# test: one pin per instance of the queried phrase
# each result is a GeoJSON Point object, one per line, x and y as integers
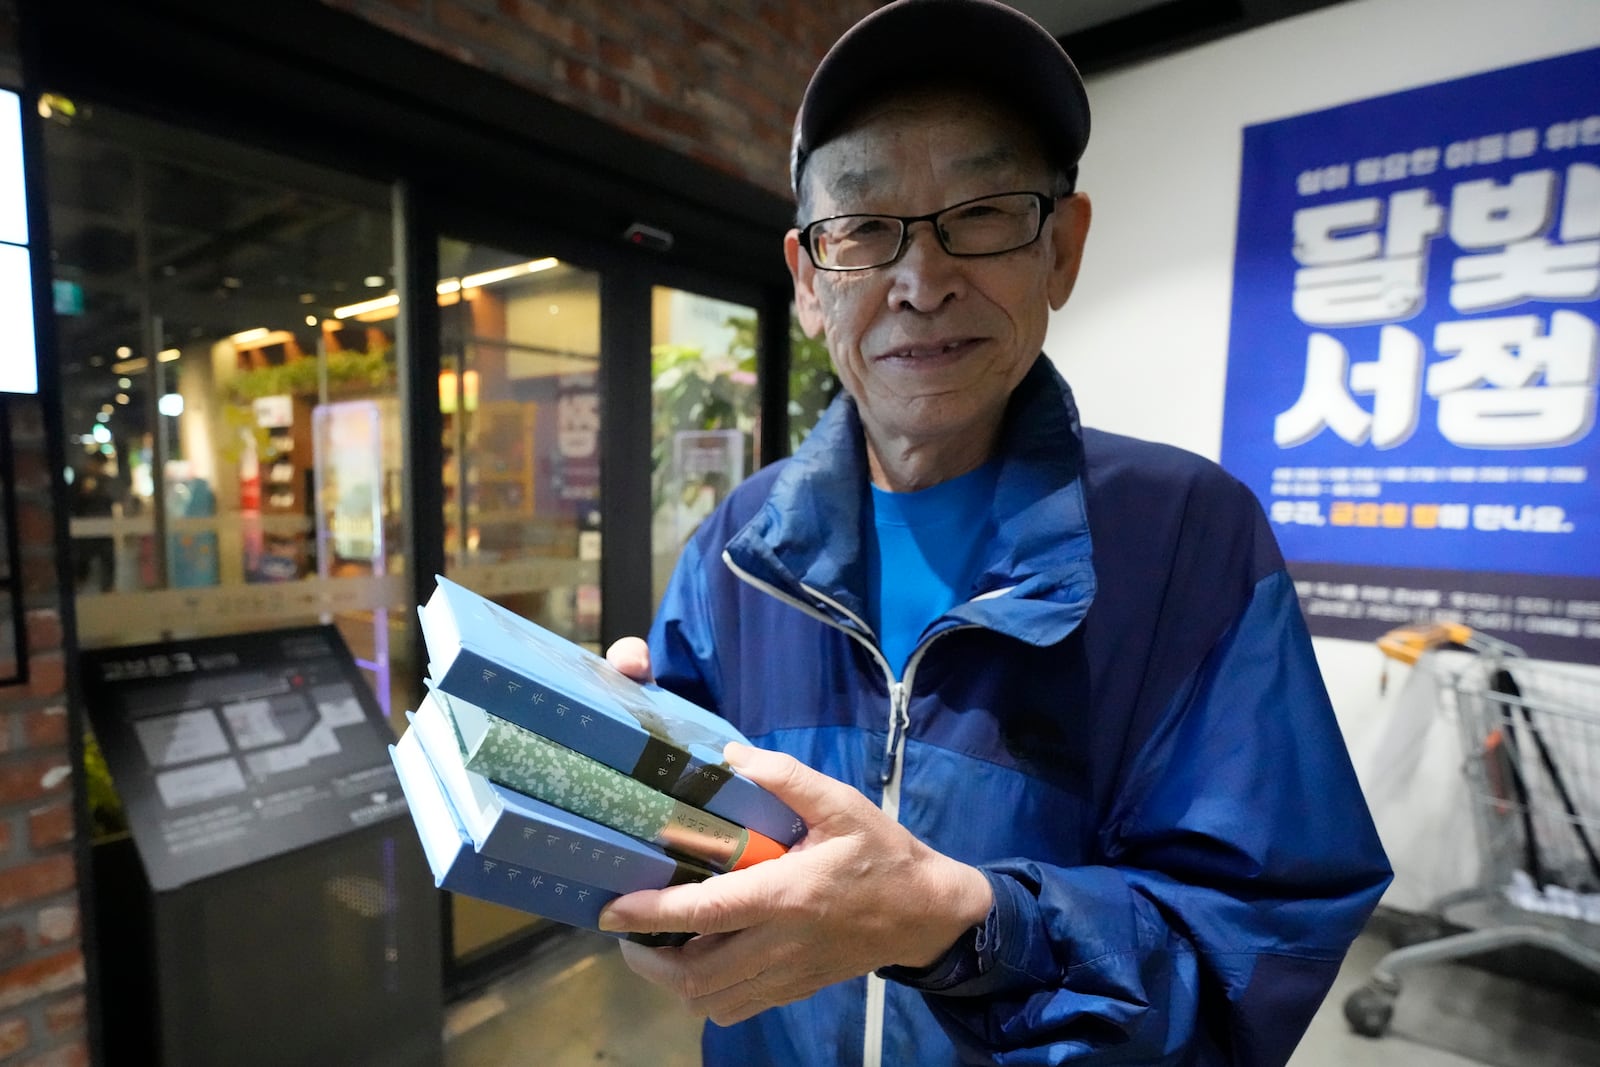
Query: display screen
{"type": "Point", "coordinates": [19, 368]}
{"type": "Point", "coordinates": [229, 750]}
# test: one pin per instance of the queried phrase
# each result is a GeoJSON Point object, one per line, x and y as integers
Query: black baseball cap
{"type": "Point", "coordinates": [976, 42]}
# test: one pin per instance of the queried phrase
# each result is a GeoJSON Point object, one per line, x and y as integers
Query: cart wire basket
{"type": "Point", "coordinates": [1530, 744]}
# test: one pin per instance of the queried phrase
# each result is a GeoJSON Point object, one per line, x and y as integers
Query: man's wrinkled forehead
{"type": "Point", "coordinates": [848, 183]}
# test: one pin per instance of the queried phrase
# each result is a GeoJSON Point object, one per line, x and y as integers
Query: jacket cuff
{"type": "Point", "coordinates": [960, 963]}
{"type": "Point", "coordinates": [976, 965]}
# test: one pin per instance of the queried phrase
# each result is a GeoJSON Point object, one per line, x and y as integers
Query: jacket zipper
{"type": "Point", "coordinates": [893, 749]}
{"type": "Point", "coordinates": [899, 720]}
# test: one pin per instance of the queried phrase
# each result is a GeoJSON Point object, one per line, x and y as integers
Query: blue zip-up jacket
{"type": "Point", "coordinates": [1123, 727]}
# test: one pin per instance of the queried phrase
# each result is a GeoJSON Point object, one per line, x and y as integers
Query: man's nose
{"type": "Point", "coordinates": [926, 277]}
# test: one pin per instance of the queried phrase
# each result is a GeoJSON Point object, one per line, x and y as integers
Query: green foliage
{"type": "Point", "coordinates": [693, 391]}
{"type": "Point", "coordinates": [106, 815]}
{"type": "Point", "coordinates": [696, 391]}
{"type": "Point", "coordinates": [364, 371]}
{"type": "Point", "coordinates": [812, 383]}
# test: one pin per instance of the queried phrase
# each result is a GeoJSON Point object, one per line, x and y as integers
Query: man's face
{"type": "Point", "coordinates": [932, 345]}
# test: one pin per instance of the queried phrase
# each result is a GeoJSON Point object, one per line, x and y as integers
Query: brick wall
{"type": "Point", "coordinates": [717, 80]}
{"type": "Point", "coordinates": [42, 1006]}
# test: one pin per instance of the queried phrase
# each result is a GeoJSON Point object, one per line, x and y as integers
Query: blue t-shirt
{"type": "Point", "coordinates": [923, 556]}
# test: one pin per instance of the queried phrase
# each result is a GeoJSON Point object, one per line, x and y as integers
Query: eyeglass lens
{"type": "Point", "coordinates": [983, 227]}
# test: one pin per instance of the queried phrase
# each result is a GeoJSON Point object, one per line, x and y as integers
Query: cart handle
{"type": "Point", "coordinates": [1408, 643]}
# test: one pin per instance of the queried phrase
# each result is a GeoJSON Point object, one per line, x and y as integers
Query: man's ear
{"type": "Point", "coordinates": [804, 273]}
{"type": "Point", "coordinates": [1069, 228]}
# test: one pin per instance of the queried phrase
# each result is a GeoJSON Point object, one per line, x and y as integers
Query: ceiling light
{"type": "Point", "coordinates": [372, 281]}
{"type": "Point", "coordinates": [452, 285]}
{"type": "Point", "coordinates": [352, 310]}
{"type": "Point", "coordinates": [167, 355]}
{"type": "Point", "coordinates": [244, 337]}
{"type": "Point", "coordinates": [489, 277]}
{"type": "Point", "coordinates": [122, 398]}
{"type": "Point", "coordinates": [311, 320]}
{"type": "Point", "coordinates": [130, 366]}
{"type": "Point", "coordinates": [124, 383]}
{"type": "Point", "coordinates": [100, 433]}
{"type": "Point", "coordinates": [171, 404]}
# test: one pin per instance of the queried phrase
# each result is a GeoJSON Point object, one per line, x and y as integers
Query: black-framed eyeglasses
{"type": "Point", "coordinates": [986, 226]}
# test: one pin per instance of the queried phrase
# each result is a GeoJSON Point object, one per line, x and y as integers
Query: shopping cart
{"type": "Point", "coordinates": [1530, 741]}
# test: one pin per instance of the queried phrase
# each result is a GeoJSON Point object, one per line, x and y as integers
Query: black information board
{"type": "Point", "coordinates": [229, 750]}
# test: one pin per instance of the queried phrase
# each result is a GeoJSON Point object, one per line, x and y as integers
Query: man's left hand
{"type": "Point", "coordinates": [859, 892]}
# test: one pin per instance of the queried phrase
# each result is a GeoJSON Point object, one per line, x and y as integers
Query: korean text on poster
{"type": "Point", "coordinates": [1412, 363]}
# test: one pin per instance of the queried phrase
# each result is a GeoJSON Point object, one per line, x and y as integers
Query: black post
{"type": "Point", "coordinates": [773, 362]}
{"type": "Point", "coordinates": [625, 561]}
{"type": "Point", "coordinates": [416, 249]}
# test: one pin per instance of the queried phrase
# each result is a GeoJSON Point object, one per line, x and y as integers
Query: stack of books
{"type": "Point", "coordinates": [542, 778]}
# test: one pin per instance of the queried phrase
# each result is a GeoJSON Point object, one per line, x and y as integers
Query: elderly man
{"type": "Point", "coordinates": [1073, 788]}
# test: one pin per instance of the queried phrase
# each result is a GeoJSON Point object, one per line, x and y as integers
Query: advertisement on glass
{"type": "Point", "coordinates": [19, 368]}
{"type": "Point", "coordinates": [1412, 355]}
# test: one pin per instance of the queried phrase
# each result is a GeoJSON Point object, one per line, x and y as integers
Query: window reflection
{"type": "Point", "coordinates": [519, 395]}
{"type": "Point", "coordinates": [705, 406]}
{"type": "Point", "coordinates": [232, 437]}
{"type": "Point", "coordinates": [520, 407]}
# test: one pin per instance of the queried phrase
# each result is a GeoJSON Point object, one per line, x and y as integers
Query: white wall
{"type": "Point", "coordinates": [1144, 339]}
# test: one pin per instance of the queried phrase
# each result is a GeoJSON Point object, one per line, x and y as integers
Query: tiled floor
{"type": "Point", "coordinates": [1451, 1015]}
{"type": "Point", "coordinates": [578, 1005]}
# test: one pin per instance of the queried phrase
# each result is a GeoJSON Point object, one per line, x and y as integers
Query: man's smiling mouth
{"type": "Point", "coordinates": [914, 353]}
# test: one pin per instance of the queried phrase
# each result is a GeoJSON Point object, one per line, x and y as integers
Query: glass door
{"type": "Point", "coordinates": [705, 415]}
{"type": "Point", "coordinates": [519, 398]}
{"type": "Point", "coordinates": [706, 394]}
{"type": "Point", "coordinates": [230, 389]}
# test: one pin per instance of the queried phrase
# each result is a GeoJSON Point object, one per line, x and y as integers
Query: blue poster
{"type": "Point", "coordinates": [1412, 364]}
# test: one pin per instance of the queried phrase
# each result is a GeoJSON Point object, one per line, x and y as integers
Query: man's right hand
{"type": "Point", "coordinates": [631, 656]}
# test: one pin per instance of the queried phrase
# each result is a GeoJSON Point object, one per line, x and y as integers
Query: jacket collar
{"type": "Point", "coordinates": [1038, 578]}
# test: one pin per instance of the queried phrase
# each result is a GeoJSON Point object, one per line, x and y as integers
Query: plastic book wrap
{"type": "Point", "coordinates": [456, 866]}
{"type": "Point", "coordinates": [516, 670]}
